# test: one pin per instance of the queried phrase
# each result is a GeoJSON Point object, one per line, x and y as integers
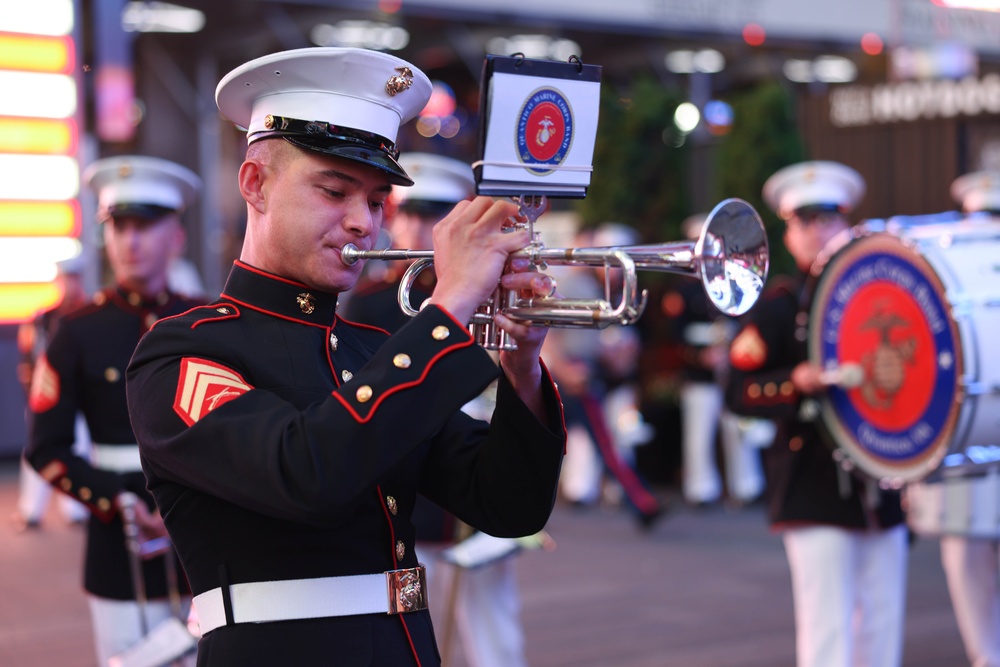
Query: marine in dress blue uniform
{"type": "Point", "coordinates": [287, 446]}
{"type": "Point", "coordinates": [845, 539]}
{"type": "Point", "coordinates": [83, 370]}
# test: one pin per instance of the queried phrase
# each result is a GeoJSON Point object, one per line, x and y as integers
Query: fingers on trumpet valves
{"type": "Point", "coordinates": [545, 286]}
{"type": "Point", "coordinates": [553, 286]}
{"type": "Point", "coordinates": [529, 284]}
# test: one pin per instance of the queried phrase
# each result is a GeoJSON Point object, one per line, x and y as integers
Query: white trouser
{"type": "Point", "coordinates": [34, 492]}
{"type": "Point", "coordinates": [117, 624]}
{"type": "Point", "coordinates": [744, 472]}
{"type": "Point", "coordinates": [484, 605]}
{"type": "Point", "coordinates": [701, 406]}
{"type": "Point", "coordinates": [849, 592]}
{"type": "Point", "coordinates": [582, 469]}
{"type": "Point", "coordinates": [972, 567]}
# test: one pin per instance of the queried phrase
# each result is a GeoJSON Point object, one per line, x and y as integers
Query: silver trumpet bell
{"type": "Point", "coordinates": [730, 257]}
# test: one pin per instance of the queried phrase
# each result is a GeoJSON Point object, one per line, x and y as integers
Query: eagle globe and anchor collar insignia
{"type": "Point", "coordinates": [544, 130]}
{"type": "Point", "coordinates": [880, 305]}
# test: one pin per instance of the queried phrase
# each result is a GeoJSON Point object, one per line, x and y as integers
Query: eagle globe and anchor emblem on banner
{"type": "Point", "coordinates": [544, 131]}
{"type": "Point", "coordinates": [879, 305]}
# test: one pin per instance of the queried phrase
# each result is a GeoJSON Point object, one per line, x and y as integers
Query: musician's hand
{"type": "Point", "coordinates": [528, 284]}
{"type": "Point", "coordinates": [470, 253]}
{"type": "Point", "coordinates": [149, 521]}
{"type": "Point", "coordinates": [807, 378]}
{"type": "Point", "coordinates": [523, 366]}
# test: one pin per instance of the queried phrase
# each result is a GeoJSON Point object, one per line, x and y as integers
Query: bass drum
{"type": "Point", "coordinates": [914, 308]}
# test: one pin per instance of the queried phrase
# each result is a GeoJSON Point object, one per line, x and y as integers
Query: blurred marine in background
{"type": "Point", "coordinates": [83, 370]}
{"type": "Point", "coordinates": [845, 539]}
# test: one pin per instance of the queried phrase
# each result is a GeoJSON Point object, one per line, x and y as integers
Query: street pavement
{"type": "Point", "coordinates": [702, 588]}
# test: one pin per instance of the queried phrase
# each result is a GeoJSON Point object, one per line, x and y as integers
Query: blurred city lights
{"type": "Point", "coordinates": [38, 135]}
{"type": "Point", "coordinates": [38, 95]}
{"type": "Point", "coordinates": [542, 47]}
{"type": "Point", "coordinates": [33, 260]}
{"type": "Point", "coordinates": [834, 69]}
{"type": "Point", "coordinates": [39, 17]}
{"type": "Point", "coordinates": [42, 177]}
{"type": "Point", "coordinates": [39, 218]}
{"type": "Point", "coordinates": [718, 116]}
{"type": "Point", "coordinates": [39, 139]}
{"type": "Point", "coordinates": [686, 117]}
{"type": "Point", "coordinates": [442, 101]}
{"type": "Point", "coordinates": [34, 53]}
{"type": "Point", "coordinates": [145, 16]}
{"type": "Point", "coordinates": [872, 44]}
{"type": "Point", "coordinates": [753, 34]}
{"type": "Point", "coordinates": [946, 60]}
{"type": "Point", "coordinates": [708, 61]}
{"type": "Point", "coordinates": [980, 5]}
{"type": "Point", "coordinates": [22, 301]}
{"type": "Point", "coordinates": [362, 34]}
{"type": "Point", "coordinates": [439, 116]}
{"type": "Point", "coordinates": [823, 69]}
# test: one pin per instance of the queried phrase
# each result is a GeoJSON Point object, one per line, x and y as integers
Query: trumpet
{"type": "Point", "coordinates": [730, 257]}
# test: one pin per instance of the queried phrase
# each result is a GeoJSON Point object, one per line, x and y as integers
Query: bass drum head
{"type": "Point", "coordinates": [879, 305]}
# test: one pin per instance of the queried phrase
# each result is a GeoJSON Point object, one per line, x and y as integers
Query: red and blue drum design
{"type": "Point", "coordinates": [544, 131]}
{"type": "Point", "coordinates": [880, 305]}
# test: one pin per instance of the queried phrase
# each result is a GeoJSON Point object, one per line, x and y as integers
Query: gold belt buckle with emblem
{"type": "Point", "coordinates": [407, 590]}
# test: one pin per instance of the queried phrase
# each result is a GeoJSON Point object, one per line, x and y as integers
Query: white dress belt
{"type": "Point", "coordinates": [116, 458]}
{"type": "Point", "coordinates": [393, 592]}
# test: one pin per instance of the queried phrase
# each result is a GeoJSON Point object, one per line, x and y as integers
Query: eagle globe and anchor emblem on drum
{"type": "Point", "coordinates": [544, 131]}
{"type": "Point", "coordinates": [880, 306]}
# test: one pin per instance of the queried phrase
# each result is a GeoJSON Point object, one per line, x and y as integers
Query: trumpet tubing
{"type": "Point", "coordinates": [730, 257]}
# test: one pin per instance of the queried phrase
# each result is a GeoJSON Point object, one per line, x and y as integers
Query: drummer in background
{"type": "Point", "coordinates": [972, 565]}
{"type": "Point", "coordinates": [845, 540]}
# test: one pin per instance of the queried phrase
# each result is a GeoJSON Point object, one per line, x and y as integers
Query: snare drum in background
{"type": "Point", "coordinates": [918, 310]}
{"type": "Point", "coordinates": [956, 504]}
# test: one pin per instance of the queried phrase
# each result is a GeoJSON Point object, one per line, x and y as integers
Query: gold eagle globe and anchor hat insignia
{"type": "Point", "coordinates": [345, 102]}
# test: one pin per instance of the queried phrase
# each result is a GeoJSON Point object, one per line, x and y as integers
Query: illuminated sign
{"type": "Point", "coordinates": [39, 138]}
{"type": "Point", "coordinates": [852, 106]}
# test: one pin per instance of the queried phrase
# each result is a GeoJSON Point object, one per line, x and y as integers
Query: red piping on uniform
{"type": "Point", "coordinates": [329, 358]}
{"type": "Point", "coordinates": [273, 314]}
{"type": "Point", "coordinates": [395, 565]}
{"type": "Point", "coordinates": [413, 648]}
{"type": "Point", "coordinates": [450, 316]}
{"type": "Point", "coordinates": [555, 390]}
{"type": "Point", "coordinates": [641, 498]}
{"type": "Point", "coordinates": [392, 530]}
{"type": "Point", "coordinates": [207, 319]}
{"type": "Point", "coordinates": [399, 387]}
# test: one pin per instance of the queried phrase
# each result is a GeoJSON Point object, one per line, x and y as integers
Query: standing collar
{"type": "Point", "coordinates": [280, 297]}
{"type": "Point", "coordinates": [132, 300]}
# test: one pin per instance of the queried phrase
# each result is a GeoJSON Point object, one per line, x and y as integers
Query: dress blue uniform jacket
{"type": "Point", "coordinates": [83, 370]}
{"type": "Point", "coordinates": [804, 485]}
{"type": "Point", "coordinates": [283, 442]}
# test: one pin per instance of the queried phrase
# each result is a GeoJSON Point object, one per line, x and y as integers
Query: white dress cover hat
{"type": "Point", "coordinates": [345, 102]}
{"type": "Point", "coordinates": [819, 185]}
{"type": "Point", "coordinates": [436, 179]}
{"type": "Point", "coordinates": [978, 191]}
{"type": "Point", "coordinates": [140, 186]}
